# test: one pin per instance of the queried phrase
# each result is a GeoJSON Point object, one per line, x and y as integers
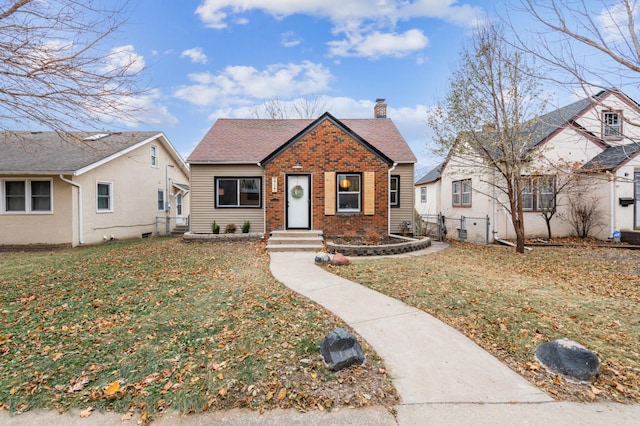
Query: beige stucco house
{"type": "Point", "coordinates": [593, 137]}
{"type": "Point", "coordinates": [64, 190]}
{"type": "Point", "coordinates": [338, 176]}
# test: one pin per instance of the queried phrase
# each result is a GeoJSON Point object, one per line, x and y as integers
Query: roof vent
{"type": "Point", "coordinates": [96, 137]}
{"type": "Point", "coordinates": [380, 109]}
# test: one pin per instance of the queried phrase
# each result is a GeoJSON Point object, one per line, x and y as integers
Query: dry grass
{"type": "Point", "coordinates": [510, 303]}
{"type": "Point", "coordinates": [143, 326]}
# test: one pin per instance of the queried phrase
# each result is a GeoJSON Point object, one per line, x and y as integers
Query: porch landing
{"type": "Point", "coordinates": [295, 241]}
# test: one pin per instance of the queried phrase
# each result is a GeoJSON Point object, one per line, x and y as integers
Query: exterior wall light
{"type": "Point", "coordinates": [297, 165]}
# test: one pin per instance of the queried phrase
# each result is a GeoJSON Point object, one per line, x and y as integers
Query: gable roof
{"type": "Point", "coordinates": [433, 175]}
{"type": "Point", "coordinates": [70, 153]}
{"type": "Point", "coordinates": [324, 117]}
{"type": "Point", "coordinates": [612, 157]}
{"type": "Point", "coordinates": [252, 140]}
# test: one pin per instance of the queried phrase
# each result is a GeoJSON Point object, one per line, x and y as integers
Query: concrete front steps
{"type": "Point", "coordinates": [295, 241]}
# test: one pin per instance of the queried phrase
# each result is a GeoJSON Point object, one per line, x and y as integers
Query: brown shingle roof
{"type": "Point", "coordinates": [252, 140]}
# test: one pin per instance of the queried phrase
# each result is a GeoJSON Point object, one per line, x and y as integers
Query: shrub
{"type": "Point", "coordinates": [230, 229]}
{"type": "Point", "coordinates": [246, 226]}
{"type": "Point", "coordinates": [215, 228]}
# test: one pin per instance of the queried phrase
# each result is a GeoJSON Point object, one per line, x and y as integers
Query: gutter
{"type": "Point", "coordinates": [77, 185]}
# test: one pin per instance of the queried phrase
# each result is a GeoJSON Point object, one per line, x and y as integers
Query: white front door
{"type": "Point", "coordinates": [298, 202]}
{"type": "Point", "coordinates": [179, 209]}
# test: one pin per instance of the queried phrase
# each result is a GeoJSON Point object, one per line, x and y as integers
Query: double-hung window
{"type": "Point", "coordinates": [160, 198]}
{"type": "Point", "coordinates": [461, 193]}
{"type": "Point", "coordinates": [349, 192]}
{"type": "Point", "coordinates": [154, 156]}
{"type": "Point", "coordinates": [423, 194]}
{"type": "Point", "coordinates": [28, 196]}
{"type": "Point", "coordinates": [394, 191]}
{"type": "Point", "coordinates": [104, 199]}
{"type": "Point", "coordinates": [238, 192]}
{"type": "Point", "coordinates": [611, 125]}
{"type": "Point", "coordinates": [538, 193]}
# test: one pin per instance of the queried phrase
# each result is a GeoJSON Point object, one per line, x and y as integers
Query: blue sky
{"type": "Point", "coordinates": [206, 59]}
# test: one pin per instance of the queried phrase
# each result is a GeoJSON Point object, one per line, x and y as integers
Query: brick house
{"type": "Point", "coordinates": [344, 177]}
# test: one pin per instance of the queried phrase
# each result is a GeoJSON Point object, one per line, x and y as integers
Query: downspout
{"type": "Point", "coordinates": [612, 218]}
{"type": "Point", "coordinates": [495, 207]}
{"type": "Point", "coordinates": [77, 185]}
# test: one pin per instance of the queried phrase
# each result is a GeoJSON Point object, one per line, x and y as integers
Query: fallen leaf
{"type": "Point", "coordinates": [127, 416]}
{"type": "Point", "coordinates": [282, 394]}
{"type": "Point", "coordinates": [112, 389]}
{"type": "Point", "coordinates": [86, 412]}
{"type": "Point", "coordinates": [222, 392]}
{"type": "Point", "coordinates": [595, 390]}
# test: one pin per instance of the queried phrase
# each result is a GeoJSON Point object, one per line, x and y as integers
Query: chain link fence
{"type": "Point", "coordinates": [471, 229]}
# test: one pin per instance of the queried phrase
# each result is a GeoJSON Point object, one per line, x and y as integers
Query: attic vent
{"type": "Point", "coordinates": [96, 136]}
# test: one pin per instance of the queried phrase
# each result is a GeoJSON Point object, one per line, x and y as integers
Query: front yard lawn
{"type": "Point", "coordinates": [509, 303]}
{"type": "Point", "coordinates": [144, 326]}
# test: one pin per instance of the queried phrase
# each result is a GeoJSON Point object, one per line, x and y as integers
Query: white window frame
{"type": "Point", "coordinates": [110, 185]}
{"type": "Point", "coordinates": [340, 191]}
{"type": "Point", "coordinates": [461, 193]}
{"type": "Point", "coordinates": [154, 156]}
{"type": "Point", "coordinates": [531, 191]}
{"type": "Point", "coordinates": [611, 124]}
{"type": "Point", "coordinates": [28, 196]}
{"type": "Point", "coordinates": [423, 194]}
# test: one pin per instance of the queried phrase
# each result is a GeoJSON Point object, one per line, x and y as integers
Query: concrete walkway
{"type": "Point", "coordinates": [443, 378]}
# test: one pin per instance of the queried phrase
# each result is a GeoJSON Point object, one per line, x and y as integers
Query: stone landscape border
{"type": "Point", "coordinates": [379, 250]}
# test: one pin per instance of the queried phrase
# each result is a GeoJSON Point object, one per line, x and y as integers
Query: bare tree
{"type": "Point", "coordinates": [302, 107]}
{"type": "Point", "coordinates": [481, 121]}
{"type": "Point", "coordinates": [56, 69]}
{"type": "Point", "coordinates": [594, 43]}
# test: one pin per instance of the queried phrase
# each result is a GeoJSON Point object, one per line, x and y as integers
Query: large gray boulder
{"type": "Point", "coordinates": [322, 258]}
{"type": "Point", "coordinates": [569, 358]}
{"type": "Point", "coordinates": [340, 349]}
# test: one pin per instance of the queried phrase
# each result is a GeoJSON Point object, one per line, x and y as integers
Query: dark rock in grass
{"type": "Point", "coordinates": [322, 258]}
{"type": "Point", "coordinates": [339, 259]}
{"type": "Point", "coordinates": [569, 358]}
{"type": "Point", "coordinates": [340, 349]}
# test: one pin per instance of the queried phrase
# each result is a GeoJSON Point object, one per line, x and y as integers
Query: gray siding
{"type": "Point", "coordinates": [203, 210]}
{"type": "Point", "coordinates": [405, 211]}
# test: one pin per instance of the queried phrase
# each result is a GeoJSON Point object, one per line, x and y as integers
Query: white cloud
{"type": "Point", "coordinates": [144, 110]}
{"type": "Point", "coordinates": [613, 21]}
{"type": "Point", "coordinates": [195, 54]}
{"type": "Point", "coordinates": [376, 44]}
{"type": "Point", "coordinates": [124, 57]}
{"type": "Point", "coordinates": [290, 39]}
{"type": "Point", "coordinates": [215, 12]}
{"type": "Point", "coordinates": [244, 84]}
{"type": "Point", "coordinates": [369, 28]}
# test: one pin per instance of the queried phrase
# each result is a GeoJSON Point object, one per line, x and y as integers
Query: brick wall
{"type": "Point", "coordinates": [327, 148]}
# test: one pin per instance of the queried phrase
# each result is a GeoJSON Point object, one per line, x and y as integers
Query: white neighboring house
{"type": "Point", "coordinates": [64, 190]}
{"type": "Point", "coordinates": [594, 134]}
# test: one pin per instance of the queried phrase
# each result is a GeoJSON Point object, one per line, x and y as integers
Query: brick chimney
{"type": "Point", "coordinates": [380, 110]}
